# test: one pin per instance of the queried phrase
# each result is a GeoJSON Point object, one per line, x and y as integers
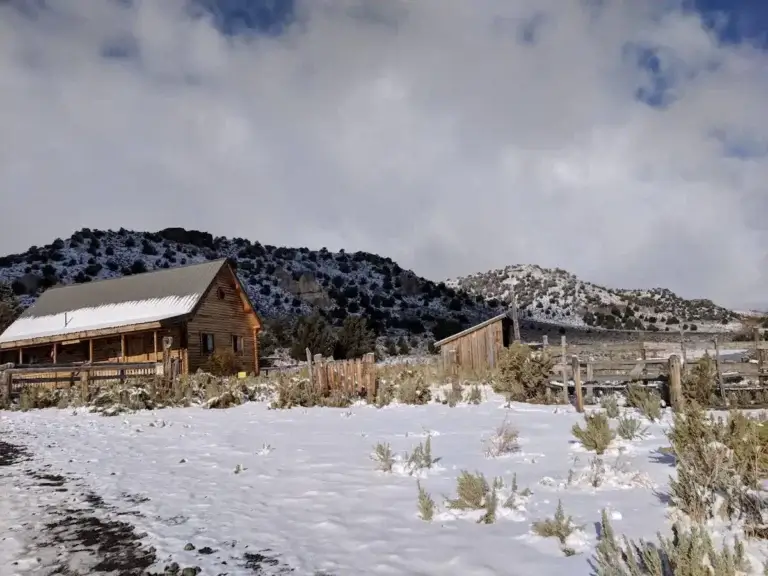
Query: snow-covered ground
{"type": "Point", "coordinates": [276, 490]}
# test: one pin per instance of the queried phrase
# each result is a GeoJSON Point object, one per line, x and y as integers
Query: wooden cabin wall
{"type": "Point", "coordinates": [222, 317]}
{"type": "Point", "coordinates": [478, 350]}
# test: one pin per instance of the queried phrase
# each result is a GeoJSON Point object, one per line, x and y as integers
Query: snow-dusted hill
{"type": "Point", "coordinates": [288, 282]}
{"type": "Point", "coordinates": [554, 295]}
{"type": "Point", "coordinates": [282, 282]}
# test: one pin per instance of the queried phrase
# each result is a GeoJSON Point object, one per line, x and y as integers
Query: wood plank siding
{"type": "Point", "coordinates": [223, 314]}
{"type": "Point", "coordinates": [477, 349]}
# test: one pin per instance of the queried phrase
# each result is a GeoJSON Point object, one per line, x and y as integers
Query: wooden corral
{"type": "Point", "coordinates": [203, 308]}
{"type": "Point", "coordinates": [478, 348]}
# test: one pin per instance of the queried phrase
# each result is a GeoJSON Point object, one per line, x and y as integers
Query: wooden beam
{"type": "Point", "coordinates": [122, 347]}
{"type": "Point", "coordinates": [675, 384]}
{"type": "Point", "coordinates": [255, 352]}
{"type": "Point", "coordinates": [26, 343]}
{"type": "Point", "coordinates": [90, 350]}
{"type": "Point", "coordinates": [21, 355]}
{"type": "Point", "coordinates": [54, 355]}
{"type": "Point", "coordinates": [154, 342]}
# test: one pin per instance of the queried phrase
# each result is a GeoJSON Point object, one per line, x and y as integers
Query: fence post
{"type": "Point", "coordinates": [167, 343]}
{"type": "Point", "coordinates": [675, 384]}
{"type": "Point", "coordinates": [719, 370]}
{"type": "Point", "coordinates": [577, 383]}
{"type": "Point", "coordinates": [309, 367]}
{"type": "Point", "coordinates": [85, 385]}
{"type": "Point", "coordinates": [317, 373]}
{"type": "Point", "coordinates": [5, 388]}
{"type": "Point", "coordinates": [758, 354]}
{"type": "Point", "coordinates": [563, 348]}
{"type": "Point", "coordinates": [369, 361]}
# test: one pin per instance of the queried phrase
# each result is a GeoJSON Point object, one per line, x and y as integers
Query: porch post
{"type": "Point", "coordinates": [154, 338]}
{"type": "Point", "coordinates": [21, 355]}
{"type": "Point", "coordinates": [55, 352]}
{"type": "Point", "coordinates": [90, 350]}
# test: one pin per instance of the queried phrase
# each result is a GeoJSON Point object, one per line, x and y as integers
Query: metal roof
{"type": "Point", "coordinates": [472, 329]}
{"type": "Point", "coordinates": [115, 302]}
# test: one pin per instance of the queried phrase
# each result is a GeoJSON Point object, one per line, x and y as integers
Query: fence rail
{"type": "Point", "coordinates": [13, 378]}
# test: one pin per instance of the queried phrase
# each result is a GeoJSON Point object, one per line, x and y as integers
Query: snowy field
{"type": "Point", "coordinates": [251, 490]}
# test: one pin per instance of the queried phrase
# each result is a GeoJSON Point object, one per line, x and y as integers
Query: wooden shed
{"type": "Point", "coordinates": [203, 307]}
{"type": "Point", "coordinates": [478, 347]}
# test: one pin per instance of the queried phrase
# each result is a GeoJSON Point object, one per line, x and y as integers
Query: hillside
{"type": "Point", "coordinates": [283, 282]}
{"type": "Point", "coordinates": [556, 296]}
{"type": "Point", "coordinates": [287, 283]}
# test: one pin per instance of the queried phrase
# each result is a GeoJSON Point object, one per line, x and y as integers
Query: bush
{"type": "Point", "coordinates": [699, 383]}
{"type": "Point", "coordinates": [560, 526]}
{"type": "Point", "coordinates": [630, 428]}
{"type": "Point", "coordinates": [354, 339]}
{"type": "Point", "coordinates": [720, 466]}
{"type": "Point", "coordinates": [687, 553]}
{"type": "Point", "coordinates": [597, 435]}
{"type": "Point", "coordinates": [313, 332]}
{"type": "Point", "coordinates": [646, 401]}
{"type": "Point", "coordinates": [426, 504]}
{"type": "Point", "coordinates": [504, 441]}
{"type": "Point", "coordinates": [222, 363]}
{"type": "Point", "coordinates": [522, 375]}
{"type": "Point", "coordinates": [610, 404]}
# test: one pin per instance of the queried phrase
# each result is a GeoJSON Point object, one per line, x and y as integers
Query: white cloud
{"type": "Point", "coordinates": [423, 130]}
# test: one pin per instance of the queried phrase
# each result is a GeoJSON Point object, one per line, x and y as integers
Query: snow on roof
{"type": "Point", "coordinates": [113, 303]}
{"type": "Point", "coordinates": [100, 317]}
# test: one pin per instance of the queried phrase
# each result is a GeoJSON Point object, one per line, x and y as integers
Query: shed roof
{"type": "Point", "coordinates": [114, 303]}
{"type": "Point", "coordinates": [472, 329]}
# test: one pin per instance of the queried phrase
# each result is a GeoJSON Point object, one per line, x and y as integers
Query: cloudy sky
{"type": "Point", "coordinates": [623, 140]}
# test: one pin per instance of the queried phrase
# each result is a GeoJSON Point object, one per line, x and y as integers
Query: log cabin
{"type": "Point", "coordinates": [203, 307]}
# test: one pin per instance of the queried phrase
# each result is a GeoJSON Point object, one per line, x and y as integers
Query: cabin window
{"type": "Point", "coordinates": [237, 343]}
{"type": "Point", "coordinates": [220, 293]}
{"type": "Point", "coordinates": [206, 343]}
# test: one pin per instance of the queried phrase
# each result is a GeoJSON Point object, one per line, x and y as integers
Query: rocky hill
{"type": "Point", "coordinates": [283, 282]}
{"type": "Point", "coordinates": [558, 297]}
{"type": "Point", "coordinates": [288, 283]}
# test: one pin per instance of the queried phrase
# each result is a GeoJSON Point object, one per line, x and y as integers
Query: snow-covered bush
{"type": "Point", "coordinates": [689, 552]}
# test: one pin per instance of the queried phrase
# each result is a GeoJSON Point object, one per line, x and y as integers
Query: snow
{"type": "Point", "coordinates": [95, 318]}
{"type": "Point", "coordinates": [302, 484]}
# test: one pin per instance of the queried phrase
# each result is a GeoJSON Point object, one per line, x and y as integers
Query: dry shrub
{"type": "Point", "coordinates": [523, 375]}
{"type": "Point", "coordinates": [721, 464]}
{"type": "Point", "coordinates": [426, 504]}
{"type": "Point", "coordinates": [699, 384]}
{"type": "Point", "coordinates": [39, 397]}
{"type": "Point", "coordinates": [597, 435]}
{"type": "Point", "coordinates": [646, 401]}
{"type": "Point", "coordinates": [471, 492]}
{"type": "Point", "coordinates": [412, 387]}
{"type": "Point", "coordinates": [421, 458]}
{"type": "Point", "coordinates": [223, 363]}
{"type": "Point", "coordinates": [383, 456]}
{"type": "Point", "coordinates": [504, 441]}
{"type": "Point", "coordinates": [560, 526]}
{"type": "Point", "coordinates": [610, 404]}
{"type": "Point", "coordinates": [293, 391]}
{"type": "Point", "coordinates": [630, 428]}
{"type": "Point", "coordinates": [688, 553]}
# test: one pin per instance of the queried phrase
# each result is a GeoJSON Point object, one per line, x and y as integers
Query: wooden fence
{"type": "Point", "coordinates": [352, 377]}
{"type": "Point", "coordinates": [13, 378]}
